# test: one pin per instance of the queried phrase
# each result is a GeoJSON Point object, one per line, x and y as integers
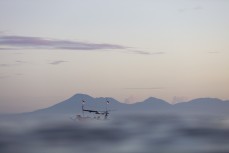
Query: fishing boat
{"type": "Point", "coordinates": [96, 114]}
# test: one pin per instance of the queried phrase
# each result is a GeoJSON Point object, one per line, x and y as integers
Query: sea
{"type": "Point", "coordinates": [124, 133]}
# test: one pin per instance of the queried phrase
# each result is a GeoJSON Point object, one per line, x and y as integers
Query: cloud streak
{"type": "Point", "coordinates": [4, 76]}
{"type": "Point", "coordinates": [197, 8]}
{"type": "Point", "coordinates": [57, 62]}
{"type": "Point", "coordinates": [12, 42]}
{"type": "Point", "coordinates": [153, 88]}
{"type": "Point", "coordinates": [214, 52]}
{"type": "Point", "coordinates": [5, 48]}
{"type": "Point", "coordinates": [24, 42]}
{"type": "Point", "coordinates": [145, 52]}
{"type": "Point", "coordinates": [15, 64]}
{"type": "Point", "coordinates": [5, 65]}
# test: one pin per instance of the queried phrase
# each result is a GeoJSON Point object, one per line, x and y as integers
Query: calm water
{"type": "Point", "coordinates": [122, 134]}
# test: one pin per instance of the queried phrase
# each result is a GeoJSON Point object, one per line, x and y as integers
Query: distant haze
{"type": "Point", "coordinates": [126, 49]}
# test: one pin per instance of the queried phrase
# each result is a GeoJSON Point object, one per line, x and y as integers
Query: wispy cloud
{"type": "Point", "coordinates": [4, 76]}
{"type": "Point", "coordinates": [139, 52]}
{"type": "Point", "coordinates": [19, 74]}
{"type": "Point", "coordinates": [5, 65]}
{"type": "Point", "coordinates": [14, 64]}
{"type": "Point", "coordinates": [57, 62]}
{"type": "Point", "coordinates": [131, 99]}
{"type": "Point", "coordinates": [20, 62]}
{"type": "Point", "coordinates": [178, 99]}
{"type": "Point", "coordinates": [214, 52]}
{"type": "Point", "coordinates": [145, 52]}
{"type": "Point", "coordinates": [197, 8]}
{"type": "Point", "coordinates": [2, 48]}
{"type": "Point", "coordinates": [23, 42]}
{"type": "Point", "coordinates": [12, 42]}
{"type": "Point", "coordinates": [157, 53]}
{"type": "Point", "coordinates": [152, 88]}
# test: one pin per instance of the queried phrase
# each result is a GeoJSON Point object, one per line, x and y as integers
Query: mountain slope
{"type": "Point", "coordinates": [74, 104]}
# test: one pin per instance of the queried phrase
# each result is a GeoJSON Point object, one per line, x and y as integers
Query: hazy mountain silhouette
{"type": "Point", "coordinates": [203, 105]}
{"type": "Point", "coordinates": [154, 105]}
{"type": "Point", "coordinates": [150, 104]}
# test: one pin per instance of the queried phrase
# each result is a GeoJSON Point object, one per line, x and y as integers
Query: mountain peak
{"type": "Point", "coordinates": [206, 100]}
{"type": "Point", "coordinates": [81, 95]}
{"type": "Point", "coordinates": [153, 99]}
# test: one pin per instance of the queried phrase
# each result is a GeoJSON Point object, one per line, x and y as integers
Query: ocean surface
{"type": "Point", "coordinates": [142, 133]}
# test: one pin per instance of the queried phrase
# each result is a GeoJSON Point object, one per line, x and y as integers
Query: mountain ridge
{"type": "Point", "coordinates": [73, 105]}
{"type": "Point", "coordinates": [198, 105]}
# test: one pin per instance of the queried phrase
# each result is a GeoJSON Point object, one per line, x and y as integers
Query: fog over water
{"type": "Point", "coordinates": [145, 133]}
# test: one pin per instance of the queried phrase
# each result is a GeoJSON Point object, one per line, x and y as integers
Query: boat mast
{"type": "Point", "coordinates": [83, 102]}
{"type": "Point", "coordinates": [106, 112]}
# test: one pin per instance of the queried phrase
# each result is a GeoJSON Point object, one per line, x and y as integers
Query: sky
{"type": "Point", "coordinates": [126, 49]}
